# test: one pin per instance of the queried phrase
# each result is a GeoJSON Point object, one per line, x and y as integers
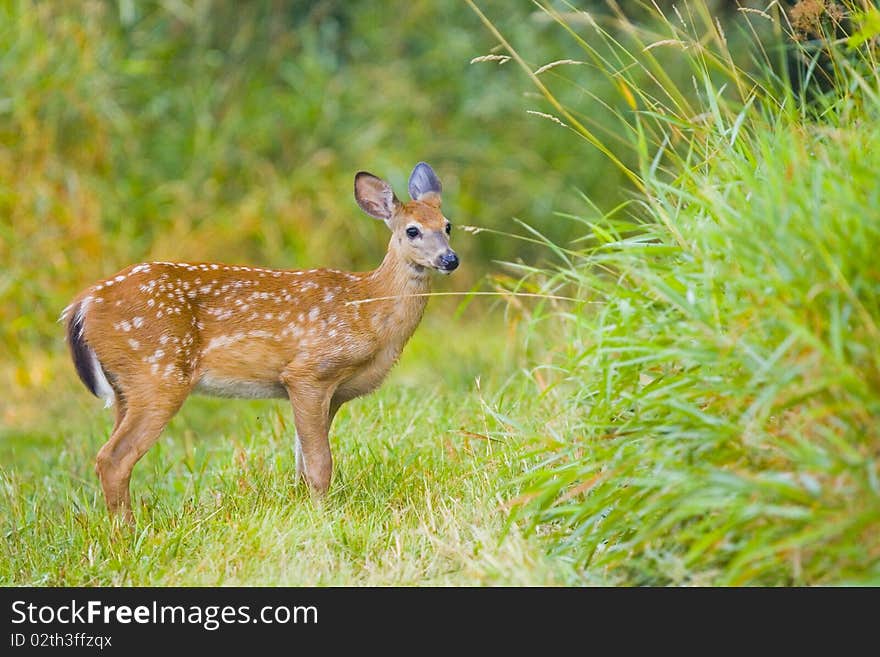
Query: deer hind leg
{"type": "Point", "coordinates": [138, 426]}
{"type": "Point", "coordinates": [121, 408]}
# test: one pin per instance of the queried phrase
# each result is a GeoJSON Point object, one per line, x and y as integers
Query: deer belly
{"type": "Point", "coordinates": [223, 386]}
{"type": "Point", "coordinates": [248, 369]}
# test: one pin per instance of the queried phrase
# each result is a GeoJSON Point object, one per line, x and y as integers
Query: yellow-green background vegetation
{"type": "Point", "coordinates": [700, 408]}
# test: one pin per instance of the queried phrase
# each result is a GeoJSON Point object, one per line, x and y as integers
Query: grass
{"type": "Point", "coordinates": [714, 418]}
{"type": "Point", "coordinates": [721, 410]}
{"type": "Point", "coordinates": [415, 497]}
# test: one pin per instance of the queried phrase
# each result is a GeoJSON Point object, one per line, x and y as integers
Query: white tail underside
{"type": "Point", "coordinates": [102, 385]}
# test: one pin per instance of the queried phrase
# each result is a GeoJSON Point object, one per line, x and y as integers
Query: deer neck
{"type": "Point", "coordinates": [405, 285]}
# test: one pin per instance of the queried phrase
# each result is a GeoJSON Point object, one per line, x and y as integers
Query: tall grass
{"type": "Point", "coordinates": [712, 413]}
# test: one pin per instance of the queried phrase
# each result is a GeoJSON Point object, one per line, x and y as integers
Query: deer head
{"type": "Point", "coordinates": [420, 231]}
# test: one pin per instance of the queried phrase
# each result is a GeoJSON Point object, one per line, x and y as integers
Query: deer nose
{"type": "Point", "coordinates": [448, 261]}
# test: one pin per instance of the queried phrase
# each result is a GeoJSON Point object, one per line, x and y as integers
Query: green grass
{"type": "Point", "coordinates": [721, 410]}
{"type": "Point", "coordinates": [415, 497]}
{"type": "Point", "coordinates": [713, 419]}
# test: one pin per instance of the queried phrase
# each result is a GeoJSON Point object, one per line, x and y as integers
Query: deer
{"type": "Point", "coordinates": [147, 337]}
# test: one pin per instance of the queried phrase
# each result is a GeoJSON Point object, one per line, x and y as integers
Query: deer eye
{"type": "Point", "coordinates": [448, 228]}
{"type": "Point", "coordinates": [412, 232]}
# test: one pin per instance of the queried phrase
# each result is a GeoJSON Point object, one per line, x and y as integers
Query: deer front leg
{"type": "Point", "coordinates": [298, 455]}
{"type": "Point", "coordinates": [335, 403]}
{"type": "Point", "coordinates": [311, 416]}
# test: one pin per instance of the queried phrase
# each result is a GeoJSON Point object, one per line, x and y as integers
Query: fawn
{"type": "Point", "coordinates": [150, 335]}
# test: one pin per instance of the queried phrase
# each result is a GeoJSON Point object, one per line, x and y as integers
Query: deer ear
{"type": "Point", "coordinates": [375, 196]}
{"type": "Point", "coordinates": [424, 185]}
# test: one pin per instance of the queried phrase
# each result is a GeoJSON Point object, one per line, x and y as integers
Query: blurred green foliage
{"type": "Point", "coordinates": [231, 131]}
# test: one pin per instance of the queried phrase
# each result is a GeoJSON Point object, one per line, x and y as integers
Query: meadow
{"type": "Point", "coordinates": [660, 365]}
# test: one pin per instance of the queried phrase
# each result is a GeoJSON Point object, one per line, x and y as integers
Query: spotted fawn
{"type": "Point", "coordinates": [147, 337]}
